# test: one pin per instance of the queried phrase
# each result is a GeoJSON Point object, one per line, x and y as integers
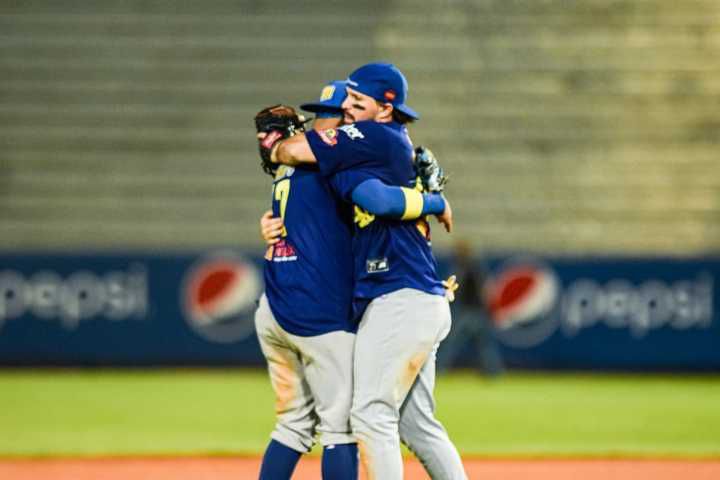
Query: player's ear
{"type": "Point", "coordinates": [385, 112]}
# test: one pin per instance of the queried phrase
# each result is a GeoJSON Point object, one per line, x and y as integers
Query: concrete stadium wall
{"type": "Point", "coordinates": [584, 127]}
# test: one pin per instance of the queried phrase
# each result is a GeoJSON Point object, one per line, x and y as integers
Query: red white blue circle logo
{"type": "Point", "coordinates": [522, 296]}
{"type": "Point", "coordinates": [218, 297]}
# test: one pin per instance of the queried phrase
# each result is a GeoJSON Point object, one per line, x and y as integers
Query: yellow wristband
{"type": "Point", "coordinates": [413, 203]}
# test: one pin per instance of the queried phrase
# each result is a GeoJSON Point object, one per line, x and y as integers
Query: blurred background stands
{"type": "Point", "coordinates": [581, 127]}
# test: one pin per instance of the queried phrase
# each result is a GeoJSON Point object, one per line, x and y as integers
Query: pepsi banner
{"type": "Point", "coordinates": [197, 309]}
{"type": "Point", "coordinates": [185, 309]}
{"type": "Point", "coordinates": [606, 313]}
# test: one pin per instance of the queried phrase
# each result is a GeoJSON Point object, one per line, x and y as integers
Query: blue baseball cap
{"type": "Point", "coordinates": [331, 98]}
{"type": "Point", "coordinates": [385, 83]}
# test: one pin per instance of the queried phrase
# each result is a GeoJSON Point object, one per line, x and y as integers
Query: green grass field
{"type": "Point", "coordinates": [160, 412]}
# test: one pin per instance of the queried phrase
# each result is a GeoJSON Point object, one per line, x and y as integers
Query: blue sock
{"type": "Point", "coordinates": [340, 462]}
{"type": "Point", "coordinates": [278, 462]}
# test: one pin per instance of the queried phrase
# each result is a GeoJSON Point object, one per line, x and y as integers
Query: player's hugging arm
{"type": "Point", "coordinates": [396, 202]}
{"type": "Point", "coordinates": [381, 200]}
{"type": "Point", "coordinates": [296, 149]}
{"type": "Point", "coordinates": [293, 151]}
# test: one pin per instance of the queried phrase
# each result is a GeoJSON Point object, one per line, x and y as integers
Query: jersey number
{"type": "Point", "coordinates": [281, 192]}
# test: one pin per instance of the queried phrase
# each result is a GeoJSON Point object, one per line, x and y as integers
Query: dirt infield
{"type": "Point", "coordinates": [223, 468]}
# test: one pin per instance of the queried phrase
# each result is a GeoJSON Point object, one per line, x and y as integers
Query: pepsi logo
{"type": "Point", "coordinates": [521, 297]}
{"type": "Point", "coordinates": [219, 294]}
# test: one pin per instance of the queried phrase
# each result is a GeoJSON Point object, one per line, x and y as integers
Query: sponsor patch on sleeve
{"type": "Point", "coordinates": [328, 136]}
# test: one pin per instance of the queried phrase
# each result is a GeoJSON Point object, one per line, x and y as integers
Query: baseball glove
{"type": "Point", "coordinates": [277, 122]}
{"type": "Point", "coordinates": [429, 171]}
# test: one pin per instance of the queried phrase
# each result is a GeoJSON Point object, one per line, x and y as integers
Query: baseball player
{"type": "Point", "coordinates": [398, 295]}
{"type": "Point", "coordinates": [303, 320]}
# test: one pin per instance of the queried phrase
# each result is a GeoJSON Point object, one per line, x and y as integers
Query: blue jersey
{"type": "Point", "coordinates": [389, 254]}
{"type": "Point", "coordinates": [308, 273]}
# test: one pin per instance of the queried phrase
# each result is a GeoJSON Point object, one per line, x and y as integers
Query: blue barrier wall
{"type": "Point", "coordinates": [196, 309]}
{"type": "Point", "coordinates": [129, 309]}
{"type": "Point", "coordinates": [607, 313]}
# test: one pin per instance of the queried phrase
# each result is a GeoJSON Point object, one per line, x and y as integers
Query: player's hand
{"type": "Point", "coordinates": [270, 228]}
{"type": "Point", "coordinates": [446, 218]}
{"type": "Point", "coordinates": [451, 286]}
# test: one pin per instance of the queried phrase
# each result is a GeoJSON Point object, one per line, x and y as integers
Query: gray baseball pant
{"type": "Point", "coordinates": [394, 372]}
{"type": "Point", "coordinates": [312, 380]}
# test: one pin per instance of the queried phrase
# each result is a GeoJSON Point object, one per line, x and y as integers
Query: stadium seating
{"type": "Point", "coordinates": [587, 126]}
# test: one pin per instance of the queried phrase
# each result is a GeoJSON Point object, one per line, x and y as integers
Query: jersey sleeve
{"type": "Point", "coordinates": [379, 199]}
{"type": "Point", "coordinates": [396, 202]}
{"type": "Point", "coordinates": [346, 147]}
{"type": "Point", "coordinates": [345, 182]}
